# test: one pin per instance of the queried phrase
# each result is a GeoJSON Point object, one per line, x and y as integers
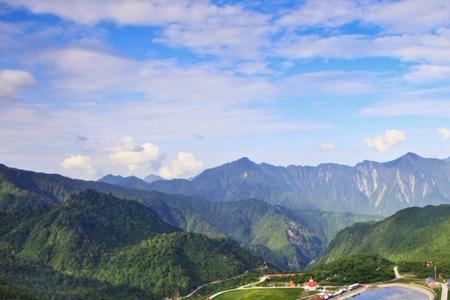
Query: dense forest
{"type": "Point", "coordinates": [95, 244]}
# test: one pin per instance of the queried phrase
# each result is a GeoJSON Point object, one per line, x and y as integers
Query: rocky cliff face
{"type": "Point", "coordinates": [369, 187]}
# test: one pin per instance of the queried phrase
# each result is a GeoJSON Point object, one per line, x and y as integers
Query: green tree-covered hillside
{"type": "Point", "coordinates": [95, 239]}
{"type": "Point", "coordinates": [412, 234]}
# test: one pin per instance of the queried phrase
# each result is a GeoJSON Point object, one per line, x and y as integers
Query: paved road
{"type": "Point", "coordinates": [262, 279]}
{"type": "Point", "coordinates": [444, 294]}
{"type": "Point", "coordinates": [217, 281]}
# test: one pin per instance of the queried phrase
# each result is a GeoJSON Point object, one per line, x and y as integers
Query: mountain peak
{"type": "Point", "coordinates": [127, 182]}
{"type": "Point", "coordinates": [243, 159]}
{"type": "Point", "coordinates": [151, 178]}
{"type": "Point", "coordinates": [410, 155]}
{"type": "Point", "coordinates": [111, 177]}
{"type": "Point", "coordinates": [243, 162]}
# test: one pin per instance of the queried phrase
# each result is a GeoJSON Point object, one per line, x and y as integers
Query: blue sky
{"type": "Point", "coordinates": [172, 87]}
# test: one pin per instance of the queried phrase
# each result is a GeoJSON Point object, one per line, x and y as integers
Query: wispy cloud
{"type": "Point", "coordinates": [154, 79]}
{"type": "Point", "coordinates": [428, 73]}
{"type": "Point", "coordinates": [425, 108]}
{"type": "Point", "coordinates": [392, 16]}
{"type": "Point", "coordinates": [201, 26]}
{"type": "Point", "coordinates": [330, 82]}
{"type": "Point", "coordinates": [430, 47]}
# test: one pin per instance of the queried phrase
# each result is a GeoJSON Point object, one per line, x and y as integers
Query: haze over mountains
{"type": "Point", "coordinates": [368, 187]}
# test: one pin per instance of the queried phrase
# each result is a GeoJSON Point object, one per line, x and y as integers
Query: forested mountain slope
{"type": "Point", "coordinates": [105, 241]}
{"type": "Point", "coordinates": [290, 239]}
{"type": "Point", "coordinates": [412, 234]}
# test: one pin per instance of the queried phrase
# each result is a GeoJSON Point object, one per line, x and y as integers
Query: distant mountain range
{"type": "Point", "coordinates": [412, 234]}
{"type": "Point", "coordinates": [77, 239]}
{"type": "Point", "coordinates": [289, 239]}
{"type": "Point", "coordinates": [369, 187]}
{"type": "Point", "coordinates": [131, 182]}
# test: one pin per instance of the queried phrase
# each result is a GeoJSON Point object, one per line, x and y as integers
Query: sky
{"type": "Point", "coordinates": [130, 87]}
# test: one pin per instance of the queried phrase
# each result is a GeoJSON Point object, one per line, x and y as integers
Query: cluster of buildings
{"type": "Point", "coordinates": [310, 285]}
{"type": "Point", "coordinates": [433, 283]}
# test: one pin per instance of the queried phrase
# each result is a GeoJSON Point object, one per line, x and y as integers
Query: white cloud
{"type": "Point", "coordinates": [184, 165]}
{"type": "Point", "coordinates": [80, 166]}
{"type": "Point", "coordinates": [427, 73]}
{"type": "Point", "coordinates": [45, 129]}
{"type": "Point", "coordinates": [383, 142]}
{"type": "Point", "coordinates": [295, 46]}
{"type": "Point", "coordinates": [239, 35]}
{"type": "Point", "coordinates": [154, 79]}
{"type": "Point", "coordinates": [330, 82]}
{"type": "Point", "coordinates": [230, 30]}
{"type": "Point", "coordinates": [414, 107]}
{"type": "Point", "coordinates": [138, 159]}
{"type": "Point", "coordinates": [201, 26]}
{"type": "Point", "coordinates": [320, 13]}
{"type": "Point", "coordinates": [430, 47]}
{"type": "Point", "coordinates": [392, 16]}
{"type": "Point", "coordinates": [121, 11]}
{"type": "Point", "coordinates": [13, 81]}
{"type": "Point", "coordinates": [328, 147]}
{"type": "Point", "coordinates": [395, 16]}
{"type": "Point", "coordinates": [253, 68]}
{"type": "Point", "coordinates": [213, 98]}
{"type": "Point", "coordinates": [444, 133]}
{"type": "Point", "coordinates": [130, 158]}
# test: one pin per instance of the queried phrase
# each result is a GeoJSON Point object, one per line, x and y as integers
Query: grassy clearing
{"type": "Point", "coordinates": [264, 294]}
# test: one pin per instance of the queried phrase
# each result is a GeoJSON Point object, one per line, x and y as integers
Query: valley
{"type": "Point", "coordinates": [224, 150]}
{"type": "Point", "coordinates": [63, 237]}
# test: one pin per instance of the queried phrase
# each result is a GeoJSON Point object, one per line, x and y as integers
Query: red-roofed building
{"type": "Point", "coordinates": [311, 285]}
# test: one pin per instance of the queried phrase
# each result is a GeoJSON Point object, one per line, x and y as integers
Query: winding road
{"type": "Point", "coordinates": [262, 279]}
{"type": "Point", "coordinates": [444, 294]}
{"type": "Point", "coordinates": [218, 281]}
{"type": "Point", "coordinates": [397, 273]}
